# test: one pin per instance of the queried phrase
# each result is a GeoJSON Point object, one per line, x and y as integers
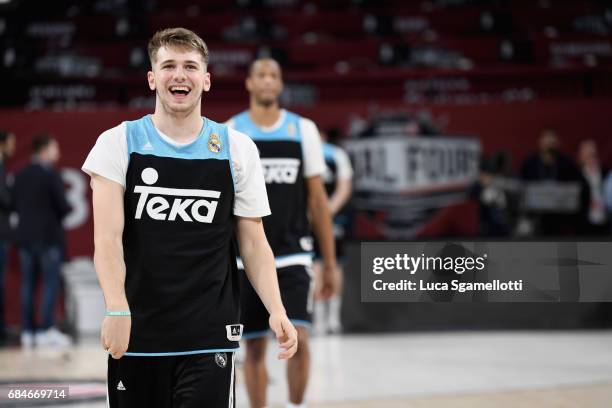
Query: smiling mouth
{"type": "Point", "coordinates": [180, 91]}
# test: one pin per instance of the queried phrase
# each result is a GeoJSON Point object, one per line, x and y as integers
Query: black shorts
{"type": "Point", "coordinates": [296, 287]}
{"type": "Point", "coordinates": [190, 381]}
{"type": "Point", "coordinates": [339, 249]}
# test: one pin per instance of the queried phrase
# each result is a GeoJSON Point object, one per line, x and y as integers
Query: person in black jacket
{"type": "Point", "coordinates": [549, 164]}
{"type": "Point", "coordinates": [594, 217]}
{"type": "Point", "coordinates": [40, 202]}
{"type": "Point", "coordinates": [7, 148]}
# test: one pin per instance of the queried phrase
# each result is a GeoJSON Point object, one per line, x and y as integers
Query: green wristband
{"type": "Point", "coordinates": [120, 313]}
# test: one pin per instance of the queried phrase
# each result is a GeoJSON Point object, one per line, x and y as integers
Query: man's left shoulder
{"type": "Point", "coordinates": [240, 142]}
{"type": "Point", "coordinates": [308, 128]}
{"type": "Point", "coordinates": [237, 136]}
{"type": "Point", "coordinates": [304, 121]}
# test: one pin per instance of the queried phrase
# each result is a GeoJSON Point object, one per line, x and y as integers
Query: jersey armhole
{"type": "Point", "coordinates": [229, 158]}
{"type": "Point", "coordinates": [128, 141]}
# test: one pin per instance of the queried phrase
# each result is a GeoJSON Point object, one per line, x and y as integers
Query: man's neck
{"type": "Point", "coordinates": [182, 128]}
{"type": "Point", "coordinates": [264, 116]}
{"type": "Point", "coordinates": [37, 159]}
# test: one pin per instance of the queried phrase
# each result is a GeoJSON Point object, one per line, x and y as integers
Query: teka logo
{"type": "Point", "coordinates": [280, 171]}
{"type": "Point", "coordinates": [187, 209]}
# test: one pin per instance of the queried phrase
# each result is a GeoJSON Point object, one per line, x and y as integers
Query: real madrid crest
{"type": "Point", "coordinates": [214, 144]}
{"type": "Point", "coordinates": [221, 359]}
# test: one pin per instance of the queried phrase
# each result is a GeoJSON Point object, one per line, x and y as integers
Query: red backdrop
{"type": "Point", "coordinates": [504, 126]}
{"type": "Point", "coordinates": [513, 127]}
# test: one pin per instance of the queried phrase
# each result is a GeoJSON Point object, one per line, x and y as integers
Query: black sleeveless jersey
{"type": "Point", "coordinates": [287, 228]}
{"type": "Point", "coordinates": [181, 275]}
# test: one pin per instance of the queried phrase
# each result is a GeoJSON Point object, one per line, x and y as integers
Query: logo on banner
{"type": "Point", "coordinates": [280, 170]}
{"type": "Point", "coordinates": [170, 204]}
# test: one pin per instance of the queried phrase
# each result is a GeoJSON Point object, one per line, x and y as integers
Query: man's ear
{"type": "Point", "coordinates": [207, 82]}
{"type": "Point", "coordinates": [151, 80]}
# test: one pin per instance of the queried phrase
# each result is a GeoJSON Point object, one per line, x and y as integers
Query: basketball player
{"type": "Point", "coordinates": [290, 150]}
{"type": "Point", "coordinates": [169, 191]}
{"type": "Point", "coordinates": [338, 180]}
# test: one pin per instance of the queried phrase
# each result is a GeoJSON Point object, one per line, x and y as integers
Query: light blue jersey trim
{"type": "Point", "coordinates": [283, 257]}
{"type": "Point", "coordinates": [143, 138]}
{"type": "Point", "coordinates": [287, 131]}
{"type": "Point", "coordinates": [302, 323]}
{"type": "Point", "coordinates": [329, 151]}
{"type": "Point", "coordinates": [183, 353]}
{"type": "Point", "coordinates": [300, 258]}
{"type": "Point", "coordinates": [229, 157]}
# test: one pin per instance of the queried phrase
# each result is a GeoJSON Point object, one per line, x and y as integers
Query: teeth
{"type": "Point", "coordinates": [179, 88]}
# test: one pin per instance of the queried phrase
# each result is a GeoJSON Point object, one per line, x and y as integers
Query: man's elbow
{"type": "Point", "coordinates": [252, 245]}
{"type": "Point", "coordinates": [319, 205]}
{"type": "Point", "coordinates": [107, 242]}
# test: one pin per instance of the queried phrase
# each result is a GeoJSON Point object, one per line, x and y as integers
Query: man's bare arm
{"type": "Point", "coordinates": [108, 259]}
{"type": "Point", "coordinates": [320, 216]}
{"type": "Point", "coordinates": [341, 195]}
{"type": "Point", "coordinates": [259, 265]}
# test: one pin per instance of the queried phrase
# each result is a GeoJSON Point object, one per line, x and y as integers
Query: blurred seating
{"type": "Point", "coordinates": [72, 42]}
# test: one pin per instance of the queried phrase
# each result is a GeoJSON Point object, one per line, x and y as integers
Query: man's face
{"type": "Point", "coordinates": [587, 153]}
{"type": "Point", "coordinates": [52, 152]}
{"type": "Point", "coordinates": [179, 77]}
{"type": "Point", "coordinates": [549, 142]}
{"type": "Point", "coordinates": [11, 145]}
{"type": "Point", "coordinates": [265, 82]}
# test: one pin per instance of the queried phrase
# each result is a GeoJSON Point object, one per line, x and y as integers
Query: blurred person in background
{"type": "Point", "coordinates": [491, 192]}
{"type": "Point", "coordinates": [292, 158]}
{"type": "Point", "coordinates": [594, 215]}
{"type": "Point", "coordinates": [7, 148]}
{"type": "Point", "coordinates": [607, 191]}
{"type": "Point", "coordinates": [549, 164]}
{"type": "Point", "coordinates": [40, 202]}
{"type": "Point", "coordinates": [489, 208]}
{"type": "Point", "coordinates": [338, 181]}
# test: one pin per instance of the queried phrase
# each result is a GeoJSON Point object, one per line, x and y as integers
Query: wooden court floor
{"type": "Point", "coordinates": [460, 369]}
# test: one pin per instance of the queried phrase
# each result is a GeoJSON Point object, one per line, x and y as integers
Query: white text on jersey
{"type": "Point", "coordinates": [280, 170]}
{"type": "Point", "coordinates": [187, 209]}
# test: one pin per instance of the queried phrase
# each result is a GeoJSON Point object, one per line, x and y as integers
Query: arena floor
{"type": "Point", "coordinates": [465, 369]}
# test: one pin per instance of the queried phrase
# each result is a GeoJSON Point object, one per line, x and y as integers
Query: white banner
{"type": "Point", "coordinates": [413, 165]}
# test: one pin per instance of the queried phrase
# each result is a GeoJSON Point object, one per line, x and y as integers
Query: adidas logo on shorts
{"type": "Point", "coordinates": [120, 386]}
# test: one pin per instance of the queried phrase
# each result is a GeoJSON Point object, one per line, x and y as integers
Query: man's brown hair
{"type": "Point", "coordinates": [177, 37]}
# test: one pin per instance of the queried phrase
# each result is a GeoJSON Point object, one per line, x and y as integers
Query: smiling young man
{"type": "Point", "coordinates": [169, 192]}
{"type": "Point", "coordinates": [291, 154]}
